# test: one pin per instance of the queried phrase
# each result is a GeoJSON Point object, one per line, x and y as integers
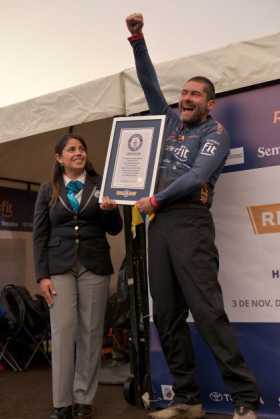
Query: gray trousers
{"type": "Point", "coordinates": [77, 322]}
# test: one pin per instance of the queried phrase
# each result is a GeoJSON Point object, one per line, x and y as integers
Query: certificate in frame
{"type": "Point", "coordinates": [132, 158]}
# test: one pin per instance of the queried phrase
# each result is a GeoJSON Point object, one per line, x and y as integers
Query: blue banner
{"type": "Point", "coordinates": [259, 344]}
{"type": "Point", "coordinates": [16, 209]}
{"type": "Point", "coordinates": [252, 119]}
{"type": "Point", "coordinates": [247, 215]}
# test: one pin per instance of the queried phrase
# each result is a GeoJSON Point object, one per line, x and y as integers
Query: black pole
{"type": "Point", "coordinates": [135, 363]}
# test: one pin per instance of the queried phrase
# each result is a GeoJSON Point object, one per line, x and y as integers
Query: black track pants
{"type": "Point", "coordinates": [183, 267]}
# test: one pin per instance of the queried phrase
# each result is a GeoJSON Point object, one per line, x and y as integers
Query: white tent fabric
{"type": "Point", "coordinates": [232, 67]}
{"type": "Point", "coordinates": [235, 66]}
{"type": "Point", "coordinates": [91, 101]}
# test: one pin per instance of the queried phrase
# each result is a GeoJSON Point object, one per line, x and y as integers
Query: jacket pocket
{"type": "Point", "coordinates": [56, 241]}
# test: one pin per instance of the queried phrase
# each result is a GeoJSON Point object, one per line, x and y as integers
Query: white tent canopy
{"type": "Point", "coordinates": [38, 122]}
{"type": "Point", "coordinates": [29, 130]}
{"type": "Point", "coordinates": [91, 101]}
{"type": "Point", "coordinates": [235, 66]}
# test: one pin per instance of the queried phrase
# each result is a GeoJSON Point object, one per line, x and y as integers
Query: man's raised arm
{"type": "Point", "coordinates": [144, 66]}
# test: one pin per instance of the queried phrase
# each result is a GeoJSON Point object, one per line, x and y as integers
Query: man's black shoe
{"type": "Point", "coordinates": [82, 411]}
{"type": "Point", "coordinates": [61, 413]}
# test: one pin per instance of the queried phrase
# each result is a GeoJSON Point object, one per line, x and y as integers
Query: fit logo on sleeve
{"type": "Point", "coordinates": [209, 148]}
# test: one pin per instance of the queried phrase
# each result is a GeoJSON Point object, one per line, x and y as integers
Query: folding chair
{"type": "Point", "coordinates": [39, 332]}
{"type": "Point", "coordinates": [7, 356]}
{"type": "Point", "coordinates": [9, 333]}
{"type": "Point", "coordinates": [29, 319]}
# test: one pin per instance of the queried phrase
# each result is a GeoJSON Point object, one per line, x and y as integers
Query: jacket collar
{"type": "Point", "coordinates": [89, 191]}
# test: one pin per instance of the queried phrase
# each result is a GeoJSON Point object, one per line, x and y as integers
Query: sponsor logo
{"type": "Point", "coordinates": [135, 142]}
{"type": "Point", "coordinates": [220, 128]}
{"type": "Point", "coordinates": [180, 153]}
{"type": "Point", "coordinates": [268, 151]}
{"type": "Point", "coordinates": [217, 397]}
{"type": "Point", "coordinates": [96, 193]}
{"type": "Point", "coordinates": [275, 273]}
{"type": "Point", "coordinates": [126, 193]}
{"type": "Point", "coordinates": [6, 209]}
{"type": "Point", "coordinates": [220, 397]}
{"type": "Point", "coordinates": [209, 148]}
{"type": "Point", "coordinates": [265, 219]}
{"type": "Point", "coordinates": [236, 156]}
{"type": "Point", "coordinates": [167, 392]}
{"type": "Point", "coordinates": [276, 117]}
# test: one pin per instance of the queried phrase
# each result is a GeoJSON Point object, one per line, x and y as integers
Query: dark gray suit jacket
{"type": "Point", "coordinates": [60, 235]}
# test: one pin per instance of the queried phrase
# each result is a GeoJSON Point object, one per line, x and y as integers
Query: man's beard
{"type": "Point", "coordinates": [198, 114]}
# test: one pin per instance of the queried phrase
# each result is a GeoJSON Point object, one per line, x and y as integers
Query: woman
{"type": "Point", "coordinates": [73, 267]}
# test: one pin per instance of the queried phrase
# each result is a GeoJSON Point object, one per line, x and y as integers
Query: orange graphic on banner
{"type": "Point", "coordinates": [276, 117]}
{"type": "Point", "coordinates": [6, 209]}
{"type": "Point", "coordinates": [265, 219]}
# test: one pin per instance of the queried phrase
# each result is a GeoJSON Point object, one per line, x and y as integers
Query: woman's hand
{"type": "Point", "coordinates": [108, 203]}
{"type": "Point", "coordinates": [47, 289]}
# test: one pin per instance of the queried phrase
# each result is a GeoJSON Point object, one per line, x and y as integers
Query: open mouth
{"type": "Point", "coordinates": [187, 108]}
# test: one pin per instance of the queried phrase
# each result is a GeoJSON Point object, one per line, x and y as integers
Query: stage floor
{"type": "Point", "coordinates": [27, 395]}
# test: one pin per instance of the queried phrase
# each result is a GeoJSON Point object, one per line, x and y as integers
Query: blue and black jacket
{"type": "Point", "coordinates": [194, 155]}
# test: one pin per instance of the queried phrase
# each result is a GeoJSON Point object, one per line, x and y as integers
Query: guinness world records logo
{"type": "Point", "coordinates": [135, 142]}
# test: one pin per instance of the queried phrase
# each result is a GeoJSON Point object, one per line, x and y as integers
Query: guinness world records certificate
{"type": "Point", "coordinates": [132, 158]}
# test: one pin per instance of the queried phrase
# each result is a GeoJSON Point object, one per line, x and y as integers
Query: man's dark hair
{"type": "Point", "coordinates": [209, 86]}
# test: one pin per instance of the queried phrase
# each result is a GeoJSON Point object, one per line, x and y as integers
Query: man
{"type": "Point", "coordinates": [183, 259]}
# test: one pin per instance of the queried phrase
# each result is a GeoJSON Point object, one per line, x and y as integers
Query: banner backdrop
{"type": "Point", "coordinates": [16, 209]}
{"type": "Point", "coordinates": [247, 216]}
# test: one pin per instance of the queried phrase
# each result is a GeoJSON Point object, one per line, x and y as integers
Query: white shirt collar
{"type": "Point", "coordinates": [81, 178]}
